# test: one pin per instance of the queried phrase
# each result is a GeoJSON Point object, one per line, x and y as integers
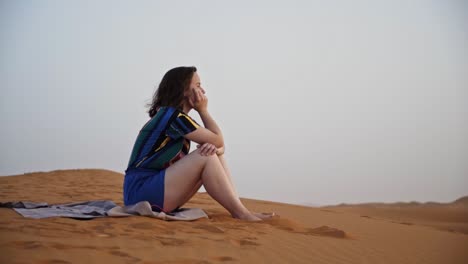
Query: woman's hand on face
{"type": "Point", "coordinates": [207, 149]}
{"type": "Point", "coordinates": [198, 99]}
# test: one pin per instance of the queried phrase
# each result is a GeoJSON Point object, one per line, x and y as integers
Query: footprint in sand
{"type": "Point", "coordinates": [27, 244]}
{"type": "Point", "coordinates": [125, 255]}
{"type": "Point", "coordinates": [101, 231]}
{"type": "Point", "coordinates": [61, 246]}
{"type": "Point", "coordinates": [170, 241]}
{"type": "Point", "coordinates": [217, 240]}
{"type": "Point", "coordinates": [327, 231]}
{"type": "Point", "coordinates": [243, 242]}
{"type": "Point", "coordinates": [209, 228]}
{"type": "Point", "coordinates": [223, 258]}
{"type": "Point", "coordinates": [406, 223]}
{"type": "Point", "coordinates": [102, 235]}
{"type": "Point", "coordinates": [143, 225]}
{"type": "Point", "coordinates": [293, 227]}
{"type": "Point", "coordinates": [56, 261]}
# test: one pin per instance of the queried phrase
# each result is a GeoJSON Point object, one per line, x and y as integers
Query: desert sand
{"type": "Point", "coordinates": [363, 233]}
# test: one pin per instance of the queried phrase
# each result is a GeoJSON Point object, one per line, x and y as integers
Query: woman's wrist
{"type": "Point", "coordinates": [202, 111]}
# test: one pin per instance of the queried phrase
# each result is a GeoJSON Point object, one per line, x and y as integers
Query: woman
{"type": "Point", "coordinates": [161, 170]}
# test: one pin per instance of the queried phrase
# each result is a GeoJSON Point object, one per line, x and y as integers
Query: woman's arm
{"type": "Point", "coordinates": [210, 124]}
{"type": "Point", "coordinates": [205, 135]}
{"type": "Point", "coordinates": [211, 133]}
{"type": "Point", "coordinates": [208, 149]}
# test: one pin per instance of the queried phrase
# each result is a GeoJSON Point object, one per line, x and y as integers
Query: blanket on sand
{"type": "Point", "coordinates": [99, 208]}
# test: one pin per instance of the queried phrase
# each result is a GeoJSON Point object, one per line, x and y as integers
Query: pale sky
{"type": "Point", "coordinates": [320, 102]}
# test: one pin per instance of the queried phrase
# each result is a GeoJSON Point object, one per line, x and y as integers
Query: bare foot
{"type": "Point", "coordinates": [264, 216]}
{"type": "Point", "coordinates": [249, 217]}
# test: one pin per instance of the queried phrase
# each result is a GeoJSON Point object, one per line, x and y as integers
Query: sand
{"type": "Point", "coordinates": [365, 233]}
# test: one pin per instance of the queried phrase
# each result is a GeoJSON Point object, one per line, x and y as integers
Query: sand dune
{"type": "Point", "coordinates": [452, 217]}
{"type": "Point", "coordinates": [368, 233]}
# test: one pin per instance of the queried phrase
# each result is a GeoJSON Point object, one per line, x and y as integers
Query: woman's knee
{"type": "Point", "coordinates": [205, 158]}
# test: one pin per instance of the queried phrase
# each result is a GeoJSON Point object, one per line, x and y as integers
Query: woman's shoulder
{"type": "Point", "coordinates": [164, 114]}
{"type": "Point", "coordinates": [168, 110]}
{"type": "Point", "coordinates": [168, 107]}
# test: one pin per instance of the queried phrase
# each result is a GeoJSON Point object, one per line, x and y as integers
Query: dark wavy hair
{"type": "Point", "coordinates": [171, 89]}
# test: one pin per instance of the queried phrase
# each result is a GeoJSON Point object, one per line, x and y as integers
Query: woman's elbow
{"type": "Point", "coordinates": [219, 142]}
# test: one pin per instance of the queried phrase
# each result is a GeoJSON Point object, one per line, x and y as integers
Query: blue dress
{"type": "Point", "coordinates": [160, 143]}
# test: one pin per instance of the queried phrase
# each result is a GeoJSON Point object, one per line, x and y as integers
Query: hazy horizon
{"type": "Point", "coordinates": [319, 102]}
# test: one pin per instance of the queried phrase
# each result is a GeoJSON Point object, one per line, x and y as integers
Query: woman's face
{"type": "Point", "coordinates": [194, 84]}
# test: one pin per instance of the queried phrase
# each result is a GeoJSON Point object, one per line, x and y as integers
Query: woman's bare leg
{"type": "Point", "coordinates": [192, 192]}
{"type": "Point", "coordinates": [200, 183]}
{"type": "Point", "coordinates": [228, 174]}
{"type": "Point", "coordinates": [182, 176]}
